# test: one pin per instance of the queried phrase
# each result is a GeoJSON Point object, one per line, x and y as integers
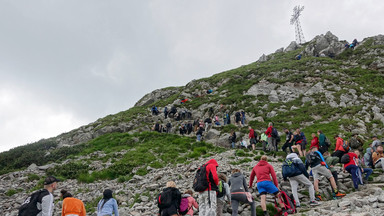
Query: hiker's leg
{"type": "Point", "coordinates": [235, 206]}
{"type": "Point", "coordinates": [300, 152]}
{"type": "Point", "coordinates": [352, 170]}
{"type": "Point", "coordinates": [220, 206]}
{"type": "Point", "coordinates": [253, 208]}
{"type": "Point", "coordinates": [316, 184]}
{"type": "Point", "coordinates": [263, 202]}
{"type": "Point", "coordinates": [304, 180]}
{"type": "Point", "coordinates": [294, 185]}
{"type": "Point", "coordinates": [277, 195]}
{"type": "Point", "coordinates": [380, 164]}
{"type": "Point", "coordinates": [368, 172]}
{"type": "Point", "coordinates": [203, 202]}
{"type": "Point", "coordinates": [212, 209]}
{"type": "Point", "coordinates": [333, 183]}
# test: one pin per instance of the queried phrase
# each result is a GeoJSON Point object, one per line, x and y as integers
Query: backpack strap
{"type": "Point", "coordinates": [322, 158]}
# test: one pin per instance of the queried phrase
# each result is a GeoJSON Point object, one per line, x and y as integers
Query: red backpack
{"type": "Point", "coordinates": [289, 204]}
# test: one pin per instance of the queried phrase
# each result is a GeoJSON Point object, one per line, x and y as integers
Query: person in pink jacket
{"type": "Point", "coordinates": [191, 202]}
{"type": "Point", "coordinates": [263, 172]}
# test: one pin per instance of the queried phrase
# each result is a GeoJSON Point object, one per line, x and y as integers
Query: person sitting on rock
{"type": "Point", "coordinates": [169, 200]}
{"type": "Point", "coordinates": [226, 195]}
{"type": "Point", "coordinates": [319, 168]}
{"type": "Point", "coordinates": [72, 206]}
{"type": "Point", "coordinates": [216, 119]}
{"type": "Point", "coordinates": [378, 157]}
{"type": "Point", "coordinates": [239, 188]}
{"type": "Point", "coordinates": [339, 149]}
{"type": "Point", "coordinates": [298, 57]}
{"type": "Point", "coordinates": [296, 176]}
{"type": "Point", "coordinates": [263, 172]}
{"type": "Point", "coordinates": [191, 202]}
{"type": "Point", "coordinates": [364, 170]}
{"type": "Point", "coordinates": [288, 140]}
{"type": "Point", "coordinates": [107, 205]}
{"type": "Point", "coordinates": [353, 169]}
{"type": "Point", "coordinates": [155, 111]}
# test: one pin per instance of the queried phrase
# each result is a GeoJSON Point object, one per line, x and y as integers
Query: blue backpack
{"type": "Point", "coordinates": [290, 169]}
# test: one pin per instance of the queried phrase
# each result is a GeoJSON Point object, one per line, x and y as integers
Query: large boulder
{"type": "Point", "coordinates": [327, 44]}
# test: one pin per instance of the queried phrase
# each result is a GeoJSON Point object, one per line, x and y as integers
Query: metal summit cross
{"type": "Point", "coordinates": [295, 21]}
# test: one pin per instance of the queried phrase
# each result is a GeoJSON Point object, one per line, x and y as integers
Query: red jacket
{"type": "Point", "coordinates": [268, 132]}
{"type": "Point", "coordinates": [314, 142]}
{"type": "Point", "coordinates": [211, 168]}
{"type": "Point", "coordinates": [263, 171]}
{"type": "Point", "coordinates": [339, 144]}
{"type": "Point", "coordinates": [352, 156]}
{"type": "Point", "coordinates": [251, 134]}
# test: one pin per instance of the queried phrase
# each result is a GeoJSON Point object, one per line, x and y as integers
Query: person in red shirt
{"type": "Point", "coordinates": [252, 137]}
{"type": "Point", "coordinates": [271, 140]}
{"type": "Point", "coordinates": [353, 169]}
{"type": "Point", "coordinates": [263, 172]}
{"type": "Point", "coordinates": [315, 141]}
{"type": "Point", "coordinates": [339, 150]}
{"type": "Point", "coordinates": [209, 195]}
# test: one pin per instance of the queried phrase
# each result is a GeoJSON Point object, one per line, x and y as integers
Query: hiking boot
{"type": "Point", "coordinates": [314, 203]}
{"type": "Point", "coordinates": [318, 198]}
{"type": "Point", "coordinates": [266, 214]}
{"type": "Point", "coordinates": [338, 194]}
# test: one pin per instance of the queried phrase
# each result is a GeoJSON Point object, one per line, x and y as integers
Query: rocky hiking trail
{"type": "Point", "coordinates": [137, 196]}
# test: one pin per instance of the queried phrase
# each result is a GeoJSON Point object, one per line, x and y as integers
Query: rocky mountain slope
{"type": "Point", "coordinates": [339, 95]}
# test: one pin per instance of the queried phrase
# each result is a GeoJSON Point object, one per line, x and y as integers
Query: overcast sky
{"type": "Point", "coordinates": [66, 63]}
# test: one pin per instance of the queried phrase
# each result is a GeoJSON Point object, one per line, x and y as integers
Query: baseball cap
{"type": "Point", "coordinates": [50, 179]}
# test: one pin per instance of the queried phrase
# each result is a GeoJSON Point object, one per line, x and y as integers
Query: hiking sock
{"type": "Point", "coordinates": [336, 190]}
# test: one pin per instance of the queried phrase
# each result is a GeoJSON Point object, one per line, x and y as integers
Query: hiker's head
{"type": "Point", "coordinates": [294, 133]}
{"type": "Point", "coordinates": [357, 152]}
{"type": "Point", "coordinates": [64, 194]}
{"type": "Point", "coordinates": [319, 132]}
{"type": "Point", "coordinates": [107, 194]}
{"type": "Point", "coordinates": [270, 124]}
{"type": "Point", "coordinates": [313, 135]}
{"type": "Point", "coordinates": [50, 183]}
{"type": "Point", "coordinates": [326, 153]}
{"type": "Point", "coordinates": [298, 130]}
{"type": "Point", "coordinates": [264, 158]}
{"type": "Point", "coordinates": [190, 192]}
{"type": "Point", "coordinates": [171, 184]}
{"type": "Point", "coordinates": [235, 171]}
{"type": "Point", "coordinates": [286, 130]}
{"type": "Point", "coordinates": [374, 137]}
{"type": "Point", "coordinates": [222, 177]}
{"type": "Point", "coordinates": [379, 148]}
{"type": "Point", "coordinates": [249, 127]}
{"type": "Point", "coordinates": [336, 136]}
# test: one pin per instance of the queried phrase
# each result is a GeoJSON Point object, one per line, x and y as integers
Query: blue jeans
{"type": "Point", "coordinates": [368, 172]}
{"type": "Point", "coordinates": [352, 169]}
{"type": "Point", "coordinates": [233, 145]}
{"type": "Point", "coordinates": [198, 137]}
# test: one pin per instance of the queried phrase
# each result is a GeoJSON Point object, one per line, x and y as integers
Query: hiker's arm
{"type": "Point", "coordinates": [251, 178]}
{"type": "Point", "coordinates": [274, 178]}
{"type": "Point", "coordinates": [115, 208]}
{"type": "Point", "coordinates": [291, 138]}
{"type": "Point", "coordinates": [228, 191]}
{"type": "Point", "coordinates": [302, 168]}
{"type": "Point", "coordinates": [195, 204]}
{"type": "Point", "coordinates": [46, 205]}
{"type": "Point", "coordinates": [215, 177]}
{"type": "Point", "coordinates": [245, 184]}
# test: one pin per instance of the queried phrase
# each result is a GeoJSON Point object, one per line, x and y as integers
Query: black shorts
{"type": "Point", "coordinates": [169, 211]}
{"type": "Point", "coordinates": [252, 141]}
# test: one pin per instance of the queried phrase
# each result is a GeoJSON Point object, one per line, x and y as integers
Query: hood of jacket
{"type": "Point", "coordinates": [237, 174]}
{"type": "Point", "coordinates": [213, 162]}
{"type": "Point", "coordinates": [262, 163]}
{"type": "Point", "coordinates": [368, 150]}
{"type": "Point", "coordinates": [185, 195]}
{"type": "Point", "coordinates": [292, 156]}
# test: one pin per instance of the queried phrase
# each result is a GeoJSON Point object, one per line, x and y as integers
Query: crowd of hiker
{"type": "Point", "coordinates": [41, 202]}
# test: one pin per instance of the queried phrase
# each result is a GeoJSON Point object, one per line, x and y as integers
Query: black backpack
{"type": "Point", "coordinates": [200, 183]}
{"type": "Point", "coordinates": [274, 133]}
{"type": "Point", "coordinates": [345, 159]}
{"type": "Point", "coordinates": [164, 200]}
{"type": "Point", "coordinates": [29, 206]}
